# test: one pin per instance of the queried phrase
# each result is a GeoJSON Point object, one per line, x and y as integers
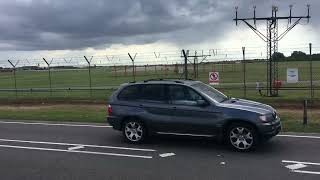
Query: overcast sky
{"type": "Point", "coordinates": [50, 28]}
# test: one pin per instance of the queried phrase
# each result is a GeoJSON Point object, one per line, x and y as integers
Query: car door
{"type": "Point", "coordinates": [158, 111]}
{"type": "Point", "coordinates": [189, 117]}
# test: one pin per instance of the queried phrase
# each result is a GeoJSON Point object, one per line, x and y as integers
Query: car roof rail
{"type": "Point", "coordinates": [161, 79]}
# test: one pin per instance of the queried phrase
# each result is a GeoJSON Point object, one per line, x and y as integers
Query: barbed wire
{"type": "Point", "coordinates": [155, 57]}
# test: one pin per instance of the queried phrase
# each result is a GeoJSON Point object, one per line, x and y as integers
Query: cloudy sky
{"type": "Point", "coordinates": [67, 28]}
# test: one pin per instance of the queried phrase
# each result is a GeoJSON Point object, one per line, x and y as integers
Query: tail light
{"type": "Point", "coordinates": [109, 109]}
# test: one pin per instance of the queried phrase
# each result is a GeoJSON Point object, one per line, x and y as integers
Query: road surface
{"type": "Point", "coordinates": [95, 151]}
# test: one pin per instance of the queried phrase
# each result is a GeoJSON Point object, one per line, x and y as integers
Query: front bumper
{"type": "Point", "coordinates": [270, 129]}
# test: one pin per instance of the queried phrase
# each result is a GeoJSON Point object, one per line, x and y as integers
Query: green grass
{"type": "Point", "coordinates": [231, 81]}
{"type": "Point", "coordinates": [70, 113]}
{"type": "Point", "coordinates": [291, 118]}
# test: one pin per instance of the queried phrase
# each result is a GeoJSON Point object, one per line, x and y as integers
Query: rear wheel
{"type": "Point", "coordinates": [134, 131]}
{"type": "Point", "coordinates": [242, 137]}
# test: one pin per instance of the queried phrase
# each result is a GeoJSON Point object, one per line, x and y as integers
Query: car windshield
{"type": "Point", "coordinates": [210, 91]}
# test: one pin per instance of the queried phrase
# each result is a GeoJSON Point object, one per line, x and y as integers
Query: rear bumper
{"type": "Point", "coordinates": [114, 122]}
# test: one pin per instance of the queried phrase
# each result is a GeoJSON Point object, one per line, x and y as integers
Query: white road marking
{"type": "Point", "coordinates": [298, 136]}
{"type": "Point", "coordinates": [306, 172]}
{"type": "Point", "coordinates": [55, 124]}
{"type": "Point", "coordinates": [75, 148]}
{"type": "Point", "coordinates": [107, 126]}
{"type": "Point", "coordinates": [71, 144]}
{"type": "Point", "coordinates": [167, 154]}
{"type": "Point", "coordinates": [296, 166]}
{"type": "Point", "coordinates": [84, 152]}
{"type": "Point", "coordinates": [299, 162]}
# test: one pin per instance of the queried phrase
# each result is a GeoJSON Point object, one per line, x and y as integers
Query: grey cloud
{"type": "Point", "coordinates": [69, 24]}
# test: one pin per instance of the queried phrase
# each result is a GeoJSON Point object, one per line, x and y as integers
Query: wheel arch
{"type": "Point", "coordinates": [226, 125]}
{"type": "Point", "coordinates": [124, 119]}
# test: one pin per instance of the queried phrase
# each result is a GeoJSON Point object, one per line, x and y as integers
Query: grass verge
{"type": "Point", "coordinates": [70, 113]}
{"type": "Point", "coordinates": [96, 113]}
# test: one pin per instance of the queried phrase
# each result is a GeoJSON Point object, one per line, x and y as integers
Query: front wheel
{"type": "Point", "coordinates": [242, 137]}
{"type": "Point", "coordinates": [134, 131]}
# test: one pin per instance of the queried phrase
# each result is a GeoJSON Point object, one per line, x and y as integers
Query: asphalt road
{"type": "Point", "coordinates": [46, 151]}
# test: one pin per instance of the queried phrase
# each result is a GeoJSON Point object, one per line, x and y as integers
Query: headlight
{"type": "Point", "coordinates": [263, 118]}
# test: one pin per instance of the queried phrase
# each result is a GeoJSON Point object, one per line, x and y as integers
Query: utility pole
{"type": "Point", "coordinates": [272, 38]}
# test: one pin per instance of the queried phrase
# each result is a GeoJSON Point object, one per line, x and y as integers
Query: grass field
{"type": "Point", "coordinates": [291, 118]}
{"type": "Point", "coordinates": [231, 81]}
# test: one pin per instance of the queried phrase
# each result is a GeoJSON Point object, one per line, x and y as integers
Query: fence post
{"type": "Point", "coordinates": [89, 68]}
{"type": "Point", "coordinates": [48, 64]}
{"type": "Point", "coordinates": [244, 72]}
{"type": "Point", "coordinates": [185, 64]}
{"type": "Point", "coordinates": [14, 76]}
{"type": "Point", "coordinates": [125, 70]}
{"type": "Point", "coordinates": [133, 68]}
{"type": "Point", "coordinates": [115, 70]}
{"type": "Point", "coordinates": [305, 114]}
{"type": "Point", "coordinates": [311, 73]}
{"type": "Point", "coordinates": [165, 70]}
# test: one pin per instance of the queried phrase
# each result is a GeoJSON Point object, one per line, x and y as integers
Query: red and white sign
{"type": "Point", "coordinates": [214, 78]}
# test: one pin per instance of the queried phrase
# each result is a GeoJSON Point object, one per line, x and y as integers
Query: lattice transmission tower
{"type": "Point", "coordinates": [272, 38]}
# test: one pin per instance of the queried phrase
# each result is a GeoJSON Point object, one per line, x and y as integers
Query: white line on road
{"type": "Point", "coordinates": [84, 152]}
{"type": "Point", "coordinates": [107, 126]}
{"type": "Point", "coordinates": [167, 154]}
{"type": "Point", "coordinates": [306, 172]}
{"type": "Point", "coordinates": [299, 162]}
{"type": "Point", "coordinates": [55, 124]}
{"type": "Point", "coordinates": [298, 136]}
{"type": "Point", "coordinates": [296, 166]}
{"type": "Point", "coordinates": [71, 144]}
{"type": "Point", "coordinates": [75, 148]}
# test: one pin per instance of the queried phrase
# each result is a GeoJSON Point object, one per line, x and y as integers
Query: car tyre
{"type": "Point", "coordinates": [134, 131]}
{"type": "Point", "coordinates": [242, 137]}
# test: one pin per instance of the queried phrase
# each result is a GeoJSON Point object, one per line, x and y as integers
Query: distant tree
{"type": "Point", "coordinates": [278, 55]}
{"type": "Point", "coordinates": [298, 55]}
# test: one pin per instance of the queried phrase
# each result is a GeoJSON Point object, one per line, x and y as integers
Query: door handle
{"type": "Point", "coordinates": [174, 108]}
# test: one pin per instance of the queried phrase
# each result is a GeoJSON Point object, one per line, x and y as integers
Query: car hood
{"type": "Point", "coordinates": [247, 105]}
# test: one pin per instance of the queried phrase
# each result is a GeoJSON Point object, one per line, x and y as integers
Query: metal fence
{"type": "Point", "coordinates": [238, 77]}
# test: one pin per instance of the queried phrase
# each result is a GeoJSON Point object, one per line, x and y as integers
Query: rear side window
{"type": "Point", "coordinates": [153, 93]}
{"type": "Point", "coordinates": [129, 93]}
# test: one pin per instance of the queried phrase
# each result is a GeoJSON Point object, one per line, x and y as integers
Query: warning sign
{"type": "Point", "coordinates": [214, 78]}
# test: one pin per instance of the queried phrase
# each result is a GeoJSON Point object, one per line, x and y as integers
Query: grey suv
{"type": "Point", "coordinates": [189, 108]}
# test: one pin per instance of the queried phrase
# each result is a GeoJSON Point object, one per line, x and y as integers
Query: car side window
{"type": "Point", "coordinates": [130, 93]}
{"type": "Point", "coordinates": [154, 93]}
{"type": "Point", "coordinates": [182, 95]}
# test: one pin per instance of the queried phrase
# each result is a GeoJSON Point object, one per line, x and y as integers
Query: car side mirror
{"type": "Point", "coordinates": [202, 103]}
